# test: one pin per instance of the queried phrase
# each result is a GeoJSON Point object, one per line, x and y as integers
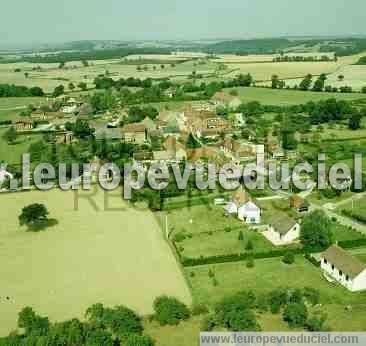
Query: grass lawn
{"type": "Point", "coordinates": [342, 233]}
{"type": "Point", "coordinates": [9, 115]}
{"type": "Point", "coordinates": [12, 154]}
{"type": "Point", "coordinates": [200, 219]}
{"type": "Point", "coordinates": [289, 97]}
{"type": "Point", "coordinates": [272, 273]}
{"type": "Point", "coordinates": [18, 102]}
{"type": "Point", "coordinates": [222, 243]}
{"type": "Point", "coordinates": [106, 255]}
{"type": "Point", "coordinates": [360, 253]}
{"type": "Point", "coordinates": [265, 276]}
{"type": "Point", "coordinates": [318, 198]}
{"type": "Point", "coordinates": [185, 334]}
{"type": "Point", "coordinates": [358, 207]}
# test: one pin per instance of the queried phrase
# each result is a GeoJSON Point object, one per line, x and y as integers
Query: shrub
{"type": "Point", "coordinates": [215, 282]}
{"type": "Point", "coordinates": [349, 244]}
{"type": "Point", "coordinates": [250, 262]}
{"type": "Point", "coordinates": [241, 236]}
{"type": "Point", "coordinates": [234, 312]}
{"type": "Point", "coordinates": [179, 237]}
{"type": "Point", "coordinates": [208, 323]}
{"type": "Point", "coordinates": [199, 309]}
{"type": "Point", "coordinates": [312, 260]}
{"type": "Point", "coordinates": [191, 262]}
{"type": "Point", "coordinates": [295, 314]}
{"type": "Point", "coordinates": [211, 273]}
{"type": "Point", "coordinates": [169, 310]}
{"type": "Point", "coordinates": [277, 298]}
{"type": "Point", "coordinates": [316, 323]}
{"type": "Point", "coordinates": [227, 229]}
{"type": "Point", "coordinates": [289, 258]}
{"type": "Point", "coordinates": [312, 295]}
{"type": "Point", "coordinates": [122, 321]}
{"type": "Point", "coordinates": [249, 245]}
{"type": "Point", "coordinates": [139, 340]}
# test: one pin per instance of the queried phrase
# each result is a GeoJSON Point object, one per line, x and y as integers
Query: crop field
{"type": "Point", "coordinates": [290, 97]}
{"type": "Point", "coordinates": [354, 76]}
{"type": "Point", "coordinates": [269, 274]}
{"type": "Point", "coordinates": [10, 107]}
{"type": "Point", "coordinates": [106, 255]}
{"type": "Point", "coordinates": [284, 70]}
{"type": "Point", "coordinates": [51, 76]}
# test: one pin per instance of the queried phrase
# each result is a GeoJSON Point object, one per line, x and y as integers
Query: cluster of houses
{"type": "Point", "coordinates": [281, 230]}
{"type": "Point", "coordinates": [336, 264]}
{"type": "Point", "coordinates": [54, 113]}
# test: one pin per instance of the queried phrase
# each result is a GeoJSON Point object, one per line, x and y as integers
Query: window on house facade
{"type": "Point", "coordinates": [332, 266]}
{"type": "Point", "coordinates": [325, 261]}
{"type": "Point", "coordinates": [340, 273]}
{"type": "Point", "coordinates": [347, 277]}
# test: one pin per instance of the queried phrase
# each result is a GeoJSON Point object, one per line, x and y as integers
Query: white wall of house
{"type": "Point", "coordinates": [359, 282]}
{"type": "Point", "coordinates": [288, 238]}
{"type": "Point", "coordinates": [293, 234]}
{"type": "Point", "coordinates": [249, 213]}
{"type": "Point", "coordinates": [356, 284]}
{"type": "Point", "coordinates": [334, 272]}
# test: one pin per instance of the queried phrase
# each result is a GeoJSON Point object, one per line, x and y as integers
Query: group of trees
{"type": "Point", "coordinates": [301, 58]}
{"type": "Point", "coordinates": [10, 90]}
{"type": "Point", "coordinates": [103, 326]}
{"type": "Point", "coordinates": [80, 128]}
{"type": "Point", "coordinates": [137, 114]}
{"type": "Point", "coordinates": [329, 110]}
{"type": "Point", "coordinates": [105, 82]}
{"type": "Point", "coordinates": [238, 312]}
{"type": "Point", "coordinates": [316, 231]}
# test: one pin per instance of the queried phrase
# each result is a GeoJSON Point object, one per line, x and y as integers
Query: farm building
{"type": "Point", "coordinates": [283, 230]}
{"type": "Point", "coordinates": [65, 138]}
{"type": "Point", "coordinates": [344, 268]}
{"type": "Point", "coordinates": [241, 206]}
{"type": "Point", "coordinates": [222, 99]}
{"type": "Point", "coordinates": [299, 204]}
{"type": "Point", "coordinates": [134, 133]}
{"type": "Point", "coordinates": [24, 124]}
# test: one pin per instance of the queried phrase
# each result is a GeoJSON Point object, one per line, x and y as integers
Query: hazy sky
{"type": "Point", "coordinates": [36, 21]}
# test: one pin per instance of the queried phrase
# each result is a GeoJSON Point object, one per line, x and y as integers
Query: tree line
{"type": "Point", "coordinates": [102, 326]}
{"type": "Point", "coordinates": [11, 90]}
{"type": "Point", "coordinates": [301, 58]}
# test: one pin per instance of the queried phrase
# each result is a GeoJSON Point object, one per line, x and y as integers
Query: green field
{"type": "Point", "coordinates": [12, 153]}
{"type": "Point", "coordinates": [18, 102]}
{"type": "Point", "coordinates": [205, 231]}
{"type": "Point", "coordinates": [289, 97]}
{"type": "Point", "coordinates": [222, 243]}
{"type": "Point", "coordinates": [357, 209]}
{"type": "Point", "coordinates": [271, 273]}
{"type": "Point", "coordinates": [106, 255]}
